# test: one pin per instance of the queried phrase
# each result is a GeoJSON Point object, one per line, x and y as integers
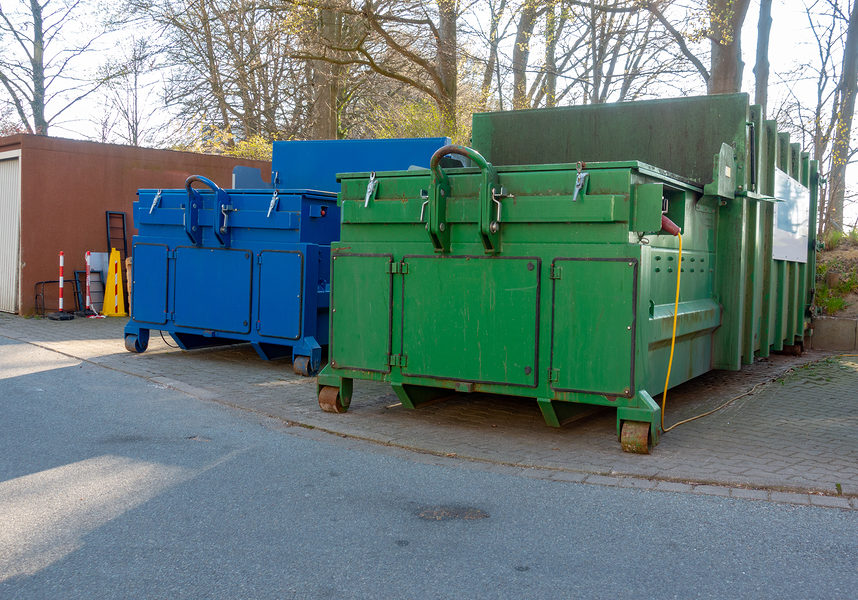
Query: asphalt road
{"type": "Point", "coordinates": [113, 487]}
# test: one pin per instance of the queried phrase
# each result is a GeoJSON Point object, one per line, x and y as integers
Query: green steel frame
{"type": "Point", "coordinates": [556, 281]}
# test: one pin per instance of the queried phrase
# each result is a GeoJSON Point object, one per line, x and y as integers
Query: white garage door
{"type": "Point", "coordinates": [10, 229]}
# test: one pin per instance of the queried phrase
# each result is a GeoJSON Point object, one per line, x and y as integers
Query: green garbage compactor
{"type": "Point", "coordinates": [548, 268]}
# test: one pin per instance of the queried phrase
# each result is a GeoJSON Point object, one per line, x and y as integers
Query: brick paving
{"type": "Point", "coordinates": [794, 440]}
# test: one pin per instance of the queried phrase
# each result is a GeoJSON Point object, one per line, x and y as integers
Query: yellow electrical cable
{"type": "Point", "coordinates": [670, 360]}
{"type": "Point", "coordinates": [673, 335]}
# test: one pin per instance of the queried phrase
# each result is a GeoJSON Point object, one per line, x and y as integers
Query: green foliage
{"type": "Point", "coordinates": [832, 238]}
{"type": "Point", "coordinates": [215, 140]}
{"type": "Point", "coordinates": [828, 302]}
{"type": "Point", "coordinates": [416, 118]}
{"type": "Point", "coordinates": [831, 292]}
{"type": "Point", "coordinates": [852, 236]}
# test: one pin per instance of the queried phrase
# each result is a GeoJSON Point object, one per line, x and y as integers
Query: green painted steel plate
{"type": "Point", "coordinates": [593, 325]}
{"type": "Point", "coordinates": [471, 318]}
{"type": "Point", "coordinates": [361, 303]}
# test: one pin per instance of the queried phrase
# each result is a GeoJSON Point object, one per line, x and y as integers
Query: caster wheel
{"type": "Point", "coordinates": [132, 344]}
{"type": "Point", "coordinates": [635, 437]}
{"type": "Point", "coordinates": [301, 366]}
{"type": "Point", "coordinates": [331, 401]}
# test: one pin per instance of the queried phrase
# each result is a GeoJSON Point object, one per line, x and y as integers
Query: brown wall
{"type": "Point", "coordinates": [67, 185]}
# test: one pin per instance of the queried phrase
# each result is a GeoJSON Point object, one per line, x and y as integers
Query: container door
{"type": "Point", "coordinates": [149, 284]}
{"type": "Point", "coordinates": [212, 289]}
{"type": "Point", "coordinates": [471, 319]}
{"type": "Point", "coordinates": [10, 232]}
{"type": "Point", "coordinates": [281, 290]}
{"type": "Point", "coordinates": [361, 304]}
{"type": "Point", "coordinates": [593, 325]}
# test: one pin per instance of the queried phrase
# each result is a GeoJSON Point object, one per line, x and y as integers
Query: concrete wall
{"type": "Point", "coordinates": [67, 185]}
{"type": "Point", "coordinates": [835, 333]}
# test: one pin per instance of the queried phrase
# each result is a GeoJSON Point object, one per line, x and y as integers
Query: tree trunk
{"type": "Point", "coordinates": [325, 82]}
{"type": "Point", "coordinates": [761, 68]}
{"type": "Point", "coordinates": [521, 54]}
{"type": "Point", "coordinates": [448, 68]}
{"type": "Point", "coordinates": [726, 18]}
{"type": "Point", "coordinates": [553, 31]}
{"type": "Point", "coordinates": [485, 88]}
{"type": "Point", "coordinates": [843, 130]}
{"type": "Point", "coordinates": [40, 125]}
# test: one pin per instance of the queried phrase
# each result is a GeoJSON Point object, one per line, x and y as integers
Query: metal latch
{"type": "Point", "coordinates": [155, 202]}
{"type": "Point", "coordinates": [497, 196]}
{"type": "Point", "coordinates": [579, 180]}
{"type": "Point", "coordinates": [225, 209]}
{"type": "Point", "coordinates": [272, 206]}
{"type": "Point", "coordinates": [553, 375]}
{"type": "Point", "coordinates": [371, 189]}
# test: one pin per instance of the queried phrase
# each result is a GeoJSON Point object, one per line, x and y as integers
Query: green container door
{"type": "Point", "coordinates": [471, 319]}
{"type": "Point", "coordinates": [361, 304]}
{"type": "Point", "coordinates": [593, 325]}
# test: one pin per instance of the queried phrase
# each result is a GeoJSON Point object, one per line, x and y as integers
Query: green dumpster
{"type": "Point", "coordinates": [548, 268]}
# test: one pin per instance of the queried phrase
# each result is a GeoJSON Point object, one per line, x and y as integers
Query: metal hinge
{"type": "Point", "coordinates": [397, 267]}
{"type": "Point", "coordinates": [553, 375]}
{"type": "Point", "coordinates": [171, 254]}
{"type": "Point", "coordinates": [259, 258]}
{"type": "Point", "coordinates": [397, 360]}
{"type": "Point", "coordinates": [555, 272]}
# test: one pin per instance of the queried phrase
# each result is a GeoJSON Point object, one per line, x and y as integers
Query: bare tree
{"type": "Point", "coordinates": [830, 116]}
{"type": "Point", "coordinates": [761, 67]}
{"type": "Point", "coordinates": [844, 109]}
{"type": "Point", "coordinates": [38, 64]}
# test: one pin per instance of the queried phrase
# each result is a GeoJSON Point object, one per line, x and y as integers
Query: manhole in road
{"type": "Point", "coordinates": [450, 513]}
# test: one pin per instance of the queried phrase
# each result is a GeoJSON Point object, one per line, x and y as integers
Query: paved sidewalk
{"type": "Point", "coordinates": [794, 440]}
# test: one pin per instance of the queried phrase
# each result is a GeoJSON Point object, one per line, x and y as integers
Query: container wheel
{"type": "Point", "coordinates": [132, 344]}
{"type": "Point", "coordinates": [635, 437]}
{"type": "Point", "coordinates": [331, 401]}
{"type": "Point", "coordinates": [301, 366]}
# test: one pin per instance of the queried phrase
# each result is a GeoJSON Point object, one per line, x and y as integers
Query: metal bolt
{"type": "Point", "coordinates": [333, 363]}
{"type": "Point", "coordinates": [333, 310]}
{"type": "Point", "coordinates": [493, 227]}
{"type": "Point", "coordinates": [629, 327]}
{"type": "Point", "coordinates": [631, 264]}
{"type": "Point", "coordinates": [244, 323]}
{"type": "Point", "coordinates": [442, 226]}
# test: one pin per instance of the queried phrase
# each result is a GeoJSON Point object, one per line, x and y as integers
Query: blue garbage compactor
{"type": "Point", "coordinates": [213, 266]}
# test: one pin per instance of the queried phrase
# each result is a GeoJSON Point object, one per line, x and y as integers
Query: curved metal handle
{"type": "Point", "coordinates": [435, 161]}
{"type": "Point", "coordinates": [490, 193]}
{"type": "Point", "coordinates": [222, 208]}
{"type": "Point", "coordinates": [205, 180]}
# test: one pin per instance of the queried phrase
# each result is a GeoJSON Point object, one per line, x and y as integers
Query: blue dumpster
{"type": "Point", "coordinates": [213, 266]}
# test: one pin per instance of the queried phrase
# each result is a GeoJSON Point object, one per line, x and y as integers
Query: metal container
{"type": "Point", "coordinates": [537, 275]}
{"type": "Point", "coordinates": [213, 266]}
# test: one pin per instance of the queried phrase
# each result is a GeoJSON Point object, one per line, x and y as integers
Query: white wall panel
{"type": "Point", "coordinates": [10, 231]}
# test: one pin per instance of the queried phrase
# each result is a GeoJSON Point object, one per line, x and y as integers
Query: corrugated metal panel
{"type": "Point", "coordinates": [10, 233]}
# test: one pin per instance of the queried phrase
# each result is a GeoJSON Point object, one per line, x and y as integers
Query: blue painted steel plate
{"type": "Point", "coordinates": [213, 289]}
{"type": "Point", "coordinates": [149, 284]}
{"type": "Point", "coordinates": [313, 164]}
{"type": "Point", "coordinates": [281, 293]}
